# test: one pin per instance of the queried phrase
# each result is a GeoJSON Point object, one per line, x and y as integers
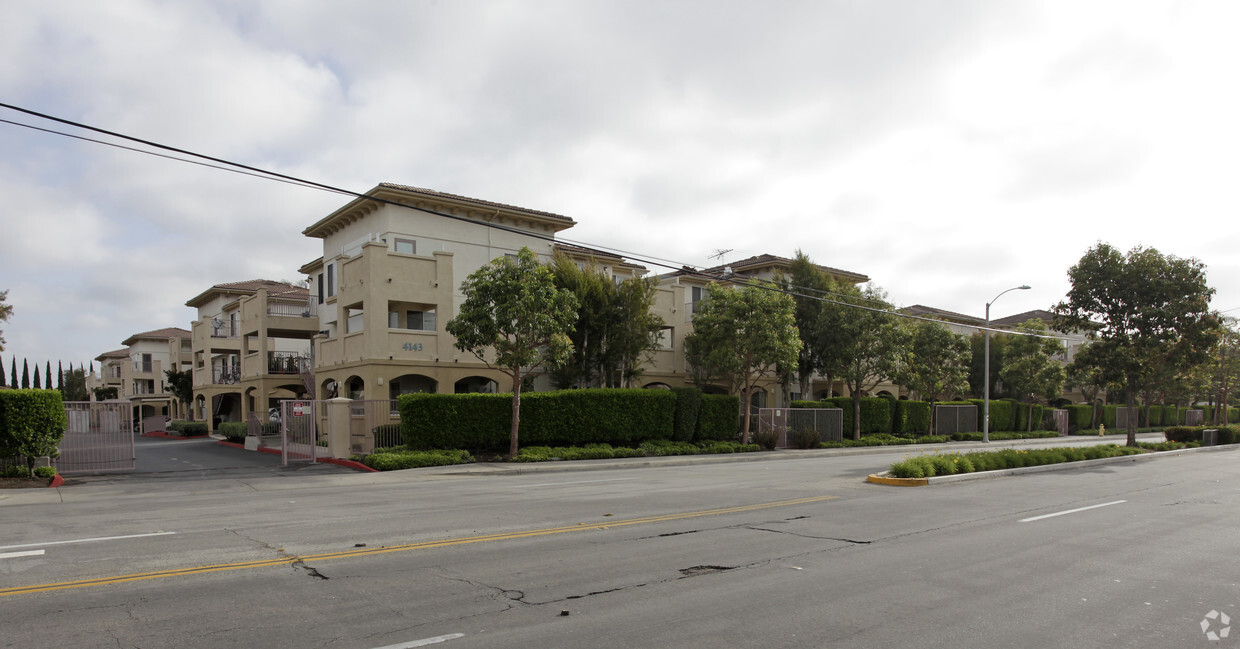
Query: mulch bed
{"type": "Point", "coordinates": [25, 483]}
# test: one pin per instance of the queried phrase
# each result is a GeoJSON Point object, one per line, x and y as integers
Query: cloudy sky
{"type": "Point", "coordinates": [948, 150]}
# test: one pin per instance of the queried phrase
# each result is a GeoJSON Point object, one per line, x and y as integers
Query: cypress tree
{"type": "Point", "coordinates": [25, 374]}
{"type": "Point", "coordinates": [60, 377]}
{"type": "Point", "coordinates": [2, 383]}
{"type": "Point", "coordinates": [37, 384]}
{"type": "Point", "coordinates": [13, 374]}
{"type": "Point", "coordinates": [47, 375]}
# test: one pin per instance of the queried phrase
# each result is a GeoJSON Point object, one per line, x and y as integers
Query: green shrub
{"type": "Point", "coordinates": [1080, 417]}
{"type": "Point", "coordinates": [727, 446]}
{"type": "Point", "coordinates": [767, 439]}
{"type": "Point", "coordinates": [414, 459]}
{"type": "Point", "coordinates": [805, 438]}
{"type": "Point", "coordinates": [562, 418]}
{"type": "Point", "coordinates": [46, 472]}
{"type": "Point", "coordinates": [32, 423]}
{"type": "Point", "coordinates": [188, 428]}
{"type": "Point", "coordinates": [914, 417]}
{"type": "Point", "coordinates": [801, 403]}
{"type": "Point", "coordinates": [931, 439]}
{"type": "Point", "coordinates": [233, 431]}
{"type": "Point", "coordinates": [688, 408]}
{"type": "Point", "coordinates": [667, 447]}
{"type": "Point", "coordinates": [931, 465]}
{"type": "Point", "coordinates": [1183, 434]}
{"type": "Point", "coordinates": [719, 418]}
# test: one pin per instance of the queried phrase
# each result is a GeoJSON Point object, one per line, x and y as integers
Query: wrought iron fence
{"type": "Point", "coordinates": [955, 419]}
{"type": "Point", "coordinates": [828, 422]}
{"type": "Point", "coordinates": [98, 438]}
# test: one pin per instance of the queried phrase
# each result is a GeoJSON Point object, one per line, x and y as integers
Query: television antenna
{"type": "Point", "coordinates": [719, 253]}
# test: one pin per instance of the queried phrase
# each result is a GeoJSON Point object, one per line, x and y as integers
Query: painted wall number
{"type": "Point", "coordinates": [412, 347]}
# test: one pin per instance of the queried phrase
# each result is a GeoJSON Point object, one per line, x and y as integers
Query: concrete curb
{"type": "Point", "coordinates": [885, 479]}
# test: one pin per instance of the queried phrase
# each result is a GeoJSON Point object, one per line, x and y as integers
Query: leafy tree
{"type": "Point", "coordinates": [6, 310]}
{"type": "Point", "coordinates": [75, 385]}
{"type": "Point", "coordinates": [1032, 370]}
{"type": "Point", "coordinates": [934, 363]}
{"type": "Point", "coordinates": [1147, 311]}
{"type": "Point", "coordinates": [181, 385]}
{"type": "Point", "coordinates": [977, 364]}
{"type": "Point", "coordinates": [866, 343]}
{"type": "Point", "coordinates": [809, 283]}
{"type": "Point", "coordinates": [742, 335]}
{"type": "Point", "coordinates": [1225, 366]}
{"type": "Point", "coordinates": [1088, 373]}
{"type": "Point", "coordinates": [103, 394]}
{"type": "Point", "coordinates": [615, 330]}
{"type": "Point", "coordinates": [516, 320]}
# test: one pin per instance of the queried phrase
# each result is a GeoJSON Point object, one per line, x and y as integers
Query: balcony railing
{"type": "Point", "coordinates": [143, 366]}
{"type": "Point", "coordinates": [225, 375]}
{"type": "Point", "coordinates": [287, 363]}
{"type": "Point", "coordinates": [307, 309]}
{"type": "Point", "coordinates": [223, 328]}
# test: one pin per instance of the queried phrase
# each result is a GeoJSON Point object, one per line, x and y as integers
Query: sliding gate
{"type": "Point", "coordinates": [98, 438]}
{"type": "Point", "coordinates": [299, 425]}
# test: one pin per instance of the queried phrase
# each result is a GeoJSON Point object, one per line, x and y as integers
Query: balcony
{"type": "Point", "coordinates": [287, 363]}
{"type": "Point", "coordinates": [225, 375]}
{"type": "Point", "coordinates": [224, 328]}
{"type": "Point", "coordinates": [307, 309]}
{"type": "Point", "coordinates": [143, 367]}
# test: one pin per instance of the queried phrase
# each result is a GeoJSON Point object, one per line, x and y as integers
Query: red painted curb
{"type": "Point", "coordinates": [352, 464]}
{"type": "Point", "coordinates": [349, 464]}
{"type": "Point", "coordinates": [167, 435]}
{"type": "Point", "coordinates": [57, 481]}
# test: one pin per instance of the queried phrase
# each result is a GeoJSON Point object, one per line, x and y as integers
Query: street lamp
{"type": "Point", "coordinates": [986, 388]}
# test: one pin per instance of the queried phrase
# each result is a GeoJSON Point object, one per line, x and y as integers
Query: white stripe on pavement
{"type": "Point", "coordinates": [424, 641]}
{"type": "Point", "coordinates": [27, 553]}
{"type": "Point", "coordinates": [91, 540]}
{"type": "Point", "coordinates": [1070, 511]}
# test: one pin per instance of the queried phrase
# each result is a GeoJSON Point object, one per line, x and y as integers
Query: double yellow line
{"type": "Point", "coordinates": [425, 545]}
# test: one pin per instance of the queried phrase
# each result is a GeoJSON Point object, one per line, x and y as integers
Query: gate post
{"type": "Point", "coordinates": [338, 427]}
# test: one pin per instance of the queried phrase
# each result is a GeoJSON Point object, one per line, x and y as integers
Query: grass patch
{"type": "Point", "coordinates": [929, 466]}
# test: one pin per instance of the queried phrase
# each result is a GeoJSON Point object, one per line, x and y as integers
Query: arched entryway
{"type": "Point", "coordinates": [475, 384]}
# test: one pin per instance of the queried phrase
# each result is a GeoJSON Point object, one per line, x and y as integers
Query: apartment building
{"type": "Point", "coordinates": [137, 371]}
{"type": "Point", "coordinates": [1072, 342]}
{"type": "Point", "coordinates": [250, 348]}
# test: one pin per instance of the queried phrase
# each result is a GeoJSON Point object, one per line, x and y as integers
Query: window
{"type": "Point", "coordinates": [695, 296]}
{"type": "Point", "coordinates": [320, 285]}
{"type": "Point", "coordinates": [665, 337]}
{"type": "Point", "coordinates": [406, 246]}
{"type": "Point", "coordinates": [354, 323]}
{"type": "Point", "coordinates": [393, 320]}
{"type": "Point", "coordinates": [331, 279]}
{"type": "Point", "coordinates": [420, 320]}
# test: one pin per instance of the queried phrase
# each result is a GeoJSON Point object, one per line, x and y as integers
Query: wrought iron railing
{"type": "Point", "coordinates": [287, 362]}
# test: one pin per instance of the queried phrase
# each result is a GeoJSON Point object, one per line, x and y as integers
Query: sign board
{"type": "Point", "coordinates": [298, 410]}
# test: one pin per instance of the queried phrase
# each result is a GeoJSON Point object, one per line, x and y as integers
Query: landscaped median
{"type": "Point", "coordinates": [393, 459]}
{"type": "Point", "coordinates": [918, 471]}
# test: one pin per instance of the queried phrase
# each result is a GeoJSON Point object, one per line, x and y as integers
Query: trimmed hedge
{"type": "Point", "coordinates": [688, 408]}
{"type": "Point", "coordinates": [1022, 417]}
{"type": "Point", "coordinates": [718, 418]}
{"type": "Point", "coordinates": [233, 431]}
{"type": "Point", "coordinates": [875, 414]}
{"type": "Point", "coordinates": [32, 423]}
{"type": "Point", "coordinates": [396, 460]}
{"type": "Point", "coordinates": [914, 415]}
{"type": "Point", "coordinates": [188, 428]}
{"type": "Point", "coordinates": [1185, 434]}
{"type": "Point", "coordinates": [928, 466]}
{"type": "Point", "coordinates": [559, 418]}
{"type": "Point", "coordinates": [1080, 417]}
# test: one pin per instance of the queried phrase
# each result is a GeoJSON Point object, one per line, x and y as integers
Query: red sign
{"type": "Point", "coordinates": [297, 410]}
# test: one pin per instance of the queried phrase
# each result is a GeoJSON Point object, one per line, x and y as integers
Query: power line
{"type": "Point", "coordinates": [236, 167]}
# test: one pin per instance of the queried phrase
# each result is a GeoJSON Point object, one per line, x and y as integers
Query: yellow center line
{"type": "Point", "coordinates": [362, 552]}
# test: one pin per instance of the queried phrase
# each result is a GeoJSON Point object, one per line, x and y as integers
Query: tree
{"type": "Point", "coordinates": [181, 385]}
{"type": "Point", "coordinates": [742, 335]}
{"type": "Point", "coordinates": [38, 384]}
{"type": "Point", "coordinates": [1146, 310]}
{"type": "Point", "coordinates": [516, 320]}
{"type": "Point", "coordinates": [13, 374]}
{"type": "Point", "coordinates": [809, 283]}
{"type": "Point", "coordinates": [26, 375]}
{"type": "Point", "coordinates": [865, 345]}
{"type": "Point", "coordinates": [977, 364]}
{"type": "Point", "coordinates": [1032, 370]}
{"type": "Point", "coordinates": [60, 377]}
{"type": "Point", "coordinates": [2, 383]}
{"type": "Point", "coordinates": [615, 330]}
{"type": "Point", "coordinates": [103, 394]}
{"type": "Point", "coordinates": [6, 310]}
{"type": "Point", "coordinates": [1225, 362]}
{"type": "Point", "coordinates": [75, 385]}
{"type": "Point", "coordinates": [1087, 373]}
{"type": "Point", "coordinates": [934, 363]}
{"type": "Point", "coordinates": [47, 376]}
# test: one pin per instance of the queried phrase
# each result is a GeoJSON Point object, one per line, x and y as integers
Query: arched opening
{"type": "Point", "coordinates": [713, 389]}
{"type": "Point", "coordinates": [884, 393]}
{"type": "Point", "coordinates": [355, 388]}
{"type": "Point", "coordinates": [200, 408]}
{"type": "Point", "coordinates": [329, 389]}
{"type": "Point", "coordinates": [475, 384]}
{"type": "Point", "coordinates": [657, 386]}
{"type": "Point", "coordinates": [411, 383]}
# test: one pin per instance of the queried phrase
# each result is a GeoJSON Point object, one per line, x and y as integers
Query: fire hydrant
{"type": "Point", "coordinates": [1102, 430]}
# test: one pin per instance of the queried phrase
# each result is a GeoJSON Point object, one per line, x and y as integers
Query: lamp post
{"type": "Point", "coordinates": [986, 379]}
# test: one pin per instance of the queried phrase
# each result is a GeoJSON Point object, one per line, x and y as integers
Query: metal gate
{"type": "Point", "coordinates": [98, 438]}
{"type": "Point", "coordinates": [955, 419]}
{"type": "Point", "coordinates": [1060, 418]}
{"type": "Point", "coordinates": [829, 422]}
{"type": "Point", "coordinates": [299, 425]}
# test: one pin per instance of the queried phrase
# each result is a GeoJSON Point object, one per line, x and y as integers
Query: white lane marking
{"type": "Point", "coordinates": [1071, 511]}
{"type": "Point", "coordinates": [423, 642]}
{"type": "Point", "coordinates": [27, 553]}
{"type": "Point", "coordinates": [92, 540]}
{"type": "Point", "coordinates": [556, 484]}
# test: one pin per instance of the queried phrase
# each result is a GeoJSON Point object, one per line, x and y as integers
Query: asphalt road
{"type": "Point", "coordinates": [791, 553]}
